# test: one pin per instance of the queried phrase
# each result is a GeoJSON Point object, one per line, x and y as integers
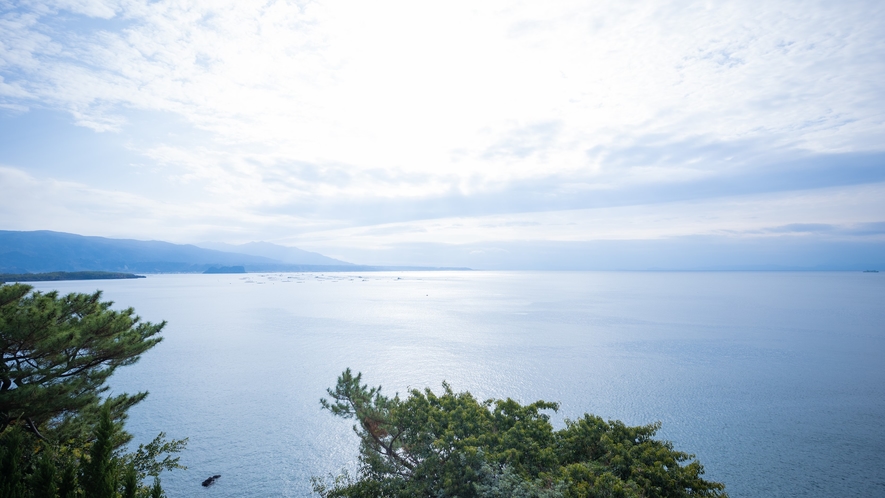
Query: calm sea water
{"type": "Point", "coordinates": [776, 381]}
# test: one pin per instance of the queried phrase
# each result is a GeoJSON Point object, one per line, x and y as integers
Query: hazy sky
{"type": "Point", "coordinates": [412, 132]}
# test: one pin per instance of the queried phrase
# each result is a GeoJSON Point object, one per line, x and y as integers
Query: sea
{"type": "Point", "coordinates": [774, 380]}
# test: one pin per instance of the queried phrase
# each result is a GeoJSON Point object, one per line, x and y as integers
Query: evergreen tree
{"type": "Point", "coordinates": [11, 475]}
{"type": "Point", "coordinates": [100, 471]}
{"type": "Point", "coordinates": [452, 445]}
{"type": "Point", "coordinates": [55, 422]}
{"type": "Point", "coordinates": [58, 352]}
{"type": "Point", "coordinates": [67, 487]}
{"type": "Point", "coordinates": [43, 480]}
{"type": "Point", "coordinates": [130, 482]}
{"type": "Point", "coordinates": [157, 490]}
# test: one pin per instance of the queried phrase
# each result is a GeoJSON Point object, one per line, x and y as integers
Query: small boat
{"type": "Point", "coordinates": [871, 271]}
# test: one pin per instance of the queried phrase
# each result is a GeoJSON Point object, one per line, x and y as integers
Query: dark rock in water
{"type": "Point", "coordinates": [211, 480]}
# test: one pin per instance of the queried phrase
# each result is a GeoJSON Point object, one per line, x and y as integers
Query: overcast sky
{"type": "Point", "coordinates": [440, 132]}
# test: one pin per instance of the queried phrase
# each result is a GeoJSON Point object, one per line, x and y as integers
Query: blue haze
{"type": "Point", "coordinates": [775, 380]}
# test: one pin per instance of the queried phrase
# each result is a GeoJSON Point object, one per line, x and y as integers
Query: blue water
{"type": "Point", "coordinates": [776, 381]}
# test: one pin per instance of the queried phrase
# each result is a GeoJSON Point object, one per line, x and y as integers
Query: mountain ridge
{"type": "Point", "coordinates": [285, 254]}
{"type": "Point", "coordinates": [46, 251]}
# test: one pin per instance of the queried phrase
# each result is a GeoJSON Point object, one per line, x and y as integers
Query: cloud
{"type": "Point", "coordinates": [872, 229]}
{"type": "Point", "coordinates": [404, 85]}
{"type": "Point", "coordinates": [51, 204]}
{"type": "Point", "coordinates": [803, 228]}
{"type": "Point", "coordinates": [692, 253]}
{"type": "Point", "coordinates": [835, 213]}
{"type": "Point", "coordinates": [847, 217]}
{"type": "Point", "coordinates": [526, 141]}
{"type": "Point", "coordinates": [863, 229]}
{"type": "Point", "coordinates": [361, 203]}
{"type": "Point", "coordinates": [289, 116]}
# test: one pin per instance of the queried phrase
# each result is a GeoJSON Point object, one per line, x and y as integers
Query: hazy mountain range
{"type": "Point", "coordinates": [285, 254]}
{"type": "Point", "coordinates": [46, 251]}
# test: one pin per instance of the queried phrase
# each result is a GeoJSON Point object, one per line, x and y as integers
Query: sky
{"type": "Point", "coordinates": [529, 135]}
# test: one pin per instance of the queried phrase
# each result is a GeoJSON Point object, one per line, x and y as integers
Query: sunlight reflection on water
{"type": "Point", "coordinates": [774, 380]}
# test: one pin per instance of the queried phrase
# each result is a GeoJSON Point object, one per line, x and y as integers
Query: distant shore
{"type": "Point", "coordinates": [65, 275]}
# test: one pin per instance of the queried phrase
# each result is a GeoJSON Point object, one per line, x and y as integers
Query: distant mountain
{"type": "Point", "coordinates": [286, 254]}
{"type": "Point", "coordinates": [45, 251]}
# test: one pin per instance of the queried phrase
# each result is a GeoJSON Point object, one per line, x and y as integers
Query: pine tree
{"type": "Point", "coordinates": [453, 444]}
{"type": "Point", "coordinates": [130, 482]}
{"type": "Point", "coordinates": [157, 490]}
{"type": "Point", "coordinates": [58, 352]}
{"type": "Point", "coordinates": [100, 472]}
{"type": "Point", "coordinates": [67, 487]}
{"type": "Point", "coordinates": [43, 480]}
{"type": "Point", "coordinates": [11, 476]}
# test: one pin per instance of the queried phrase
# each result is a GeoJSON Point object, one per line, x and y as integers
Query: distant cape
{"type": "Point", "coordinates": [65, 275]}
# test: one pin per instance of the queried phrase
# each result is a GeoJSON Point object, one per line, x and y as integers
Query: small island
{"type": "Point", "coordinates": [65, 275]}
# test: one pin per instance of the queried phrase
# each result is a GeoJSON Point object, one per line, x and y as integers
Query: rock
{"type": "Point", "coordinates": [211, 480]}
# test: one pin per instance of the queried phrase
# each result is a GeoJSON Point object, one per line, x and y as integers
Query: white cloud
{"type": "Point", "coordinates": [328, 103]}
{"type": "Point", "coordinates": [430, 87]}
{"type": "Point", "coordinates": [836, 214]}
{"type": "Point", "coordinates": [746, 216]}
{"type": "Point", "coordinates": [50, 204]}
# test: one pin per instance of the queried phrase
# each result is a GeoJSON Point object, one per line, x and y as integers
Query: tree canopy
{"type": "Point", "coordinates": [59, 434]}
{"type": "Point", "coordinates": [452, 444]}
{"type": "Point", "coordinates": [58, 352]}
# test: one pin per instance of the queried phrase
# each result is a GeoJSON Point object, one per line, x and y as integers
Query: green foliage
{"type": "Point", "coordinates": [145, 460]}
{"type": "Point", "coordinates": [58, 352]}
{"type": "Point", "coordinates": [156, 490]}
{"type": "Point", "coordinates": [32, 468]}
{"type": "Point", "coordinates": [454, 445]}
{"type": "Point", "coordinates": [504, 482]}
{"type": "Point", "coordinates": [68, 486]}
{"type": "Point", "coordinates": [44, 479]}
{"type": "Point", "coordinates": [629, 455]}
{"type": "Point", "coordinates": [59, 436]}
{"type": "Point", "coordinates": [130, 482]}
{"type": "Point", "coordinates": [99, 475]}
{"type": "Point", "coordinates": [11, 474]}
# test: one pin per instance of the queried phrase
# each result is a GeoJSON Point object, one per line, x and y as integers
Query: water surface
{"type": "Point", "coordinates": [776, 381]}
